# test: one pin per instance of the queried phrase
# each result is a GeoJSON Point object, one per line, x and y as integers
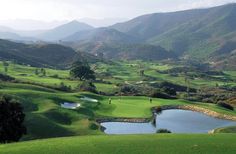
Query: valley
{"type": "Point", "coordinates": [42, 95]}
{"type": "Point", "coordinates": [157, 83]}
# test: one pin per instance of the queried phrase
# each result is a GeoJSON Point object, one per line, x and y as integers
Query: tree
{"type": "Point", "coordinates": [43, 71]}
{"type": "Point", "coordinates": [36, 72]}
{"type": "Point", "coordinates": [5, 64]}
{"type": "Point", "coordinates": [82, 71]}
{"type": "Point", "coordinates": [141, 72]}
{"type": "Point", "coordinates": [11, 121]}
{"type": "Point", "coordinates": [5, 69]}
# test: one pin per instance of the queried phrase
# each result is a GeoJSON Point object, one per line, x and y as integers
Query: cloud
{"type": "Point", "coordinates": [48, 10]}
{"type": "Point", "coordinates": [191, 4]}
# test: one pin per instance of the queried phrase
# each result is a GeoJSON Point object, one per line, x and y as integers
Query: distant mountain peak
{"type": "Point", "coordinates": [65, 30]}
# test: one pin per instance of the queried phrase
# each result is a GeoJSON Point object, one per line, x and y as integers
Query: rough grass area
{"type": "Point", "coordinates": [132, 144]}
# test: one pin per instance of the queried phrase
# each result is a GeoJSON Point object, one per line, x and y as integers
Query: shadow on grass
{"type": "Point", "coordinates": [39, 126]}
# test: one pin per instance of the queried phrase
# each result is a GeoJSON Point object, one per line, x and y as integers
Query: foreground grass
{"type": "Point", "coordinates": [163, 143]}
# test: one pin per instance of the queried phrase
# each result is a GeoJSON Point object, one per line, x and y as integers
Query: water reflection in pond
{"type": "Point", "coordinates": [177, 121]}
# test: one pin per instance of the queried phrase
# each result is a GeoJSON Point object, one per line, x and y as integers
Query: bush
{"type": "Point", "coordinates": [175, 87]}
{"type": "Point", "coordinates": [63, 87]}
{"type": "Point", "coordinates": [163, 131]}
{"type": "Point", "coordinates": [55, 76]}
{"type": "Point", "coordinates": [11, 120]}
{"type": "Point", "coordinates": [208, 100]}
{"type": "Point", "coordinates": [170, 91]}
{"type": "Point", "coordinates": [159, 94]}
{"type": "Point", "coordinates": [87, 86]}
{"type": "Point", "coordinates": [225, 105]}
{"type": "Point", "coordinates": [93, 126]}
{"type": "Point", "coordinates": [4, 77]}
{"type": "Point", "coordinates": [129, 89]}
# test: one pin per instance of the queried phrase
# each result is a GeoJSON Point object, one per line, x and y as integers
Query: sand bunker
{"type": "Point", "coordinates": [67, 105]}
{"type": "Point", "coordinates": [88, 99]}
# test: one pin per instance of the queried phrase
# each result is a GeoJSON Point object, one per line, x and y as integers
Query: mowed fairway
{"type": "Point", "coordinates": [133, 106]}
{"type": "Point", "coordinates": [140, 107]}
{"type": "Point", "coordinates": [138, 144]}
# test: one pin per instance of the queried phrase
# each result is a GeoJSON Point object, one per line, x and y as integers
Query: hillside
{"type": "Point", "coordinates": [178, 144]}
{"type": "Point", "coordinates": [14, 36]}
{"type": "Point", "coordinates": [151, 25]}
{"type": "Point", "coordinates": [104, 35]}
{"type": "Point", "coordinates": [112, 44]}
{"type": "Point", "coordinates": [40, 55]}
{"type": "Point", "coordinates": [124, 51]}
{"type": "Point", "coordinates": [191, 34]}
{"type": "Point", "coordinates": [63, 31]}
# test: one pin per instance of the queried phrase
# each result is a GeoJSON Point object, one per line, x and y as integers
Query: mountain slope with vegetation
{"type": "Point", "coordinates": [195, 34]}
{"type": "Point", "coordinates": [124, 51]}
{"type": "Point", "coordinates": [101, 35]}
{"type": "Point", "coordinates": [63, 31]}
{"type": "Point", "coordinates": [40, 55]}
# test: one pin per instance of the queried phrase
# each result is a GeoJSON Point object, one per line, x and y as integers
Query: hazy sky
{"type": "Point", "coordinates": [50, 10]}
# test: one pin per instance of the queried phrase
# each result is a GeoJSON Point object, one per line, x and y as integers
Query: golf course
{"type": "Point", "coordinates": [118, 77]}
{"type": "Point", "coordinates": [42, 102]}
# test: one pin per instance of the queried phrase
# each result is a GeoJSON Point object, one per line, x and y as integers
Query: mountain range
{"type": "Point", "coordinates": [203, 34]}
{"type": "Point", "coordinates": [63, 31]}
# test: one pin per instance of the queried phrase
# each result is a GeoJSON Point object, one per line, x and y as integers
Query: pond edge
{"type": "Point", "coordinates": [170, 107]}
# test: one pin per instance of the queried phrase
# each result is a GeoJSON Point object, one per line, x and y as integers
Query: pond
{"type": "Point", "coordinates": [177, 121]}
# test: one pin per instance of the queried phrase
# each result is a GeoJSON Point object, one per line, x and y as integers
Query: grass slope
{"type": "Point", "coordinates": [220, 143]}
{"type": "Point", "coordinates": [231, 129]}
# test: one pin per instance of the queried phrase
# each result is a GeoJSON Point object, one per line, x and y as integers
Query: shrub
{"type": "Point", "coordinates": [55, 76]}
{"type": "Point", "coordinates": [4, 77]}
{"type": "Point", "coordinates": [170, 91]}
{"type": "Point", "coordinates": [158, 110]}
{"type": "Point", "coordinates": [208, 100]}
{"type": "Point", "coordinates": [11, 120]}
{"type": "Point", "coordinates": [87, 86]}
{"type": "Point", "coordinates": [163, 131]}
{"type": "Point", "coordinates": [225, 105]}
{"type": "Point", "coordinates": [159, 94]}
{"type": "Point", "coordinates": [63, 87]}
{"type": "Point", "coordinates": [128, 89]}
{"type": "Point", "coordinates": [93, 126]}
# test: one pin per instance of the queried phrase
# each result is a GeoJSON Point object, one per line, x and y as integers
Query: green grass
{"type": "Point", "coordinates": [43, 111]}
{"type": "Point", "coordinates": [27, 74]}
{"type": "Point", "coordinates": [121, 72]}
{"type": "Point", "coordinates": [46, 119]}
{"type": "Point", "coordinates": [132, 106]}
{"type": "Point", "coordinates": [132, 144]}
